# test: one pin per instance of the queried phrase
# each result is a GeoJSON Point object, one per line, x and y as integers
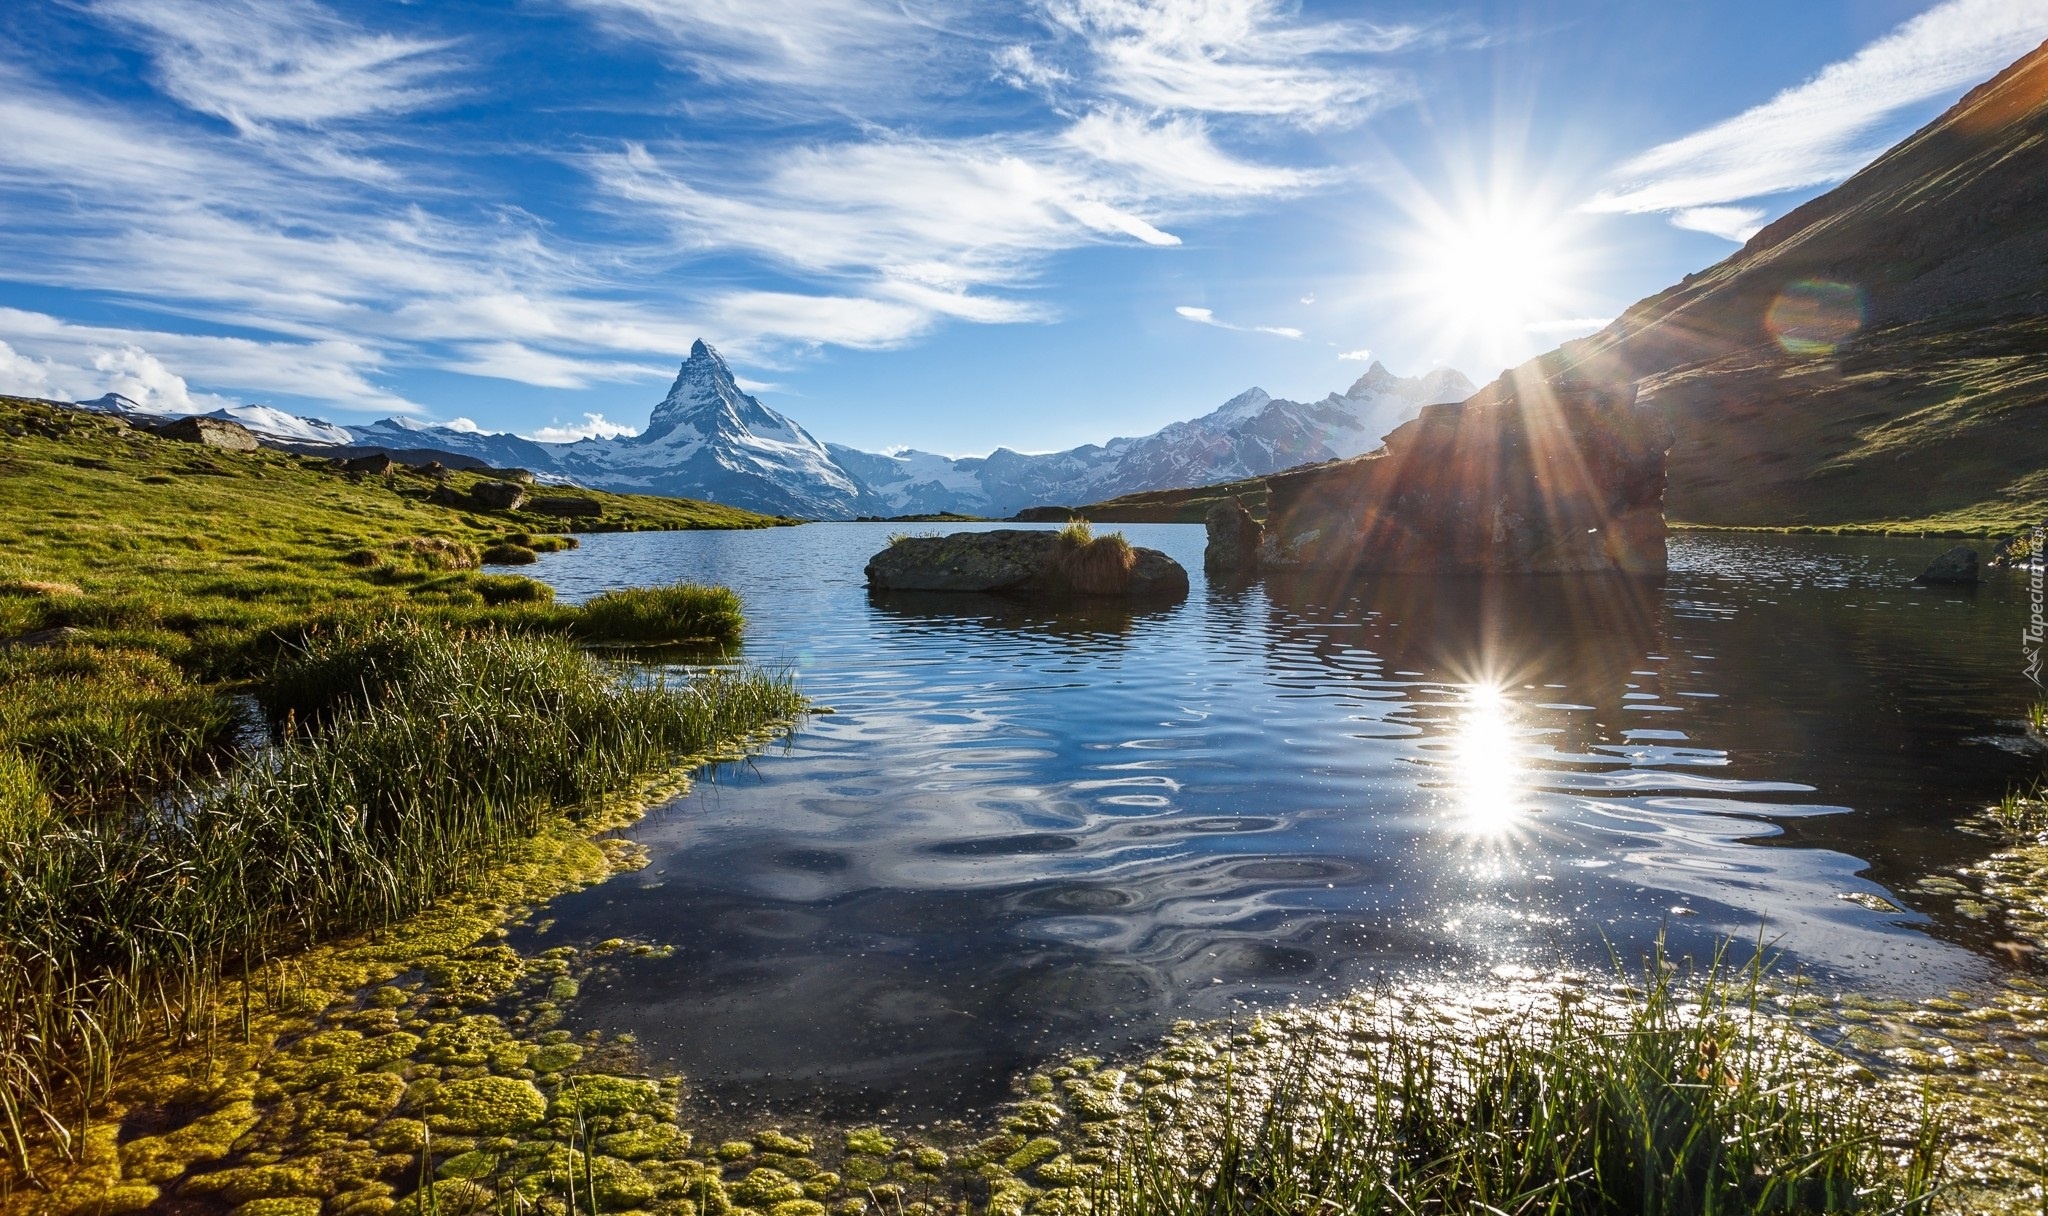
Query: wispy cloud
{"type": "Point", "coordinates": [279, 61]}
{"type": "Point", "coordinates": [1204, 316]}
{"type": "Point", "coordinates": [77, 361]}
{"type": "Point", "coordinates": [1244, 57]}
{"type": "Point", "coordinates": [593, 426]}
{"type": "Point", "coordinates": [1736, 224]}
{"type": "Point", "coordinates": [1820, 132]}
{"type": "Point", "coordinates": [1356, 356]}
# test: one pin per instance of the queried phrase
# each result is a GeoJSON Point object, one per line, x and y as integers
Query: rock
{"type": "Point", "coordinates": [566, 504]}
{"type": "Point", "coordinates": [377, 464]}
{"type": "Point", "coordinates": [498, 495]}
{"type": "Point", "coordinates": [213, 432]}
{"type": "Point", "coordinates": [1234, 538]}
{"type": "Point", "coordinates": [517, 476]}
{"type": "Point", "coordinates": [448, 496]}
{"type": "Point", "coordinates": [1958, 566]}
{"type": "Point", "coordinates": [58, 636]}
{"type": "Point", "coordinates": [1011, 561]}
{"type": "Point", "coordinates": [1527, 477]}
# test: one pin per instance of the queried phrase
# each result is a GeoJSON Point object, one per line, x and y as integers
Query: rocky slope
{"type": "Point", "coordinates": [1874, 355]}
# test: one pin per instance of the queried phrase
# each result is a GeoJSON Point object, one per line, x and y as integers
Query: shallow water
{"type": "Point", "coordinates": [1026, 831]}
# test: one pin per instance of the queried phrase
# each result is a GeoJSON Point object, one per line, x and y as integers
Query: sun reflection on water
{"type": "Point", "coordinates": [1487, 770]}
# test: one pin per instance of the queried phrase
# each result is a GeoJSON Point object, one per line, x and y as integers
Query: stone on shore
{"type": "Point", "coordinates": [1957, 567]}
{"type": "Point", "coordinates": [1552, 476]}
{"type": "Point", "coordinates": [1018, 562]}
{"type": "Point", "coordinates": [498, 495]}
{"type": "Point", "coordinates": [213, 432]}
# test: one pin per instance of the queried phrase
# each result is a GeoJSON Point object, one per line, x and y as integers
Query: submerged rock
{"type": "Point", "coordinates": [1234, 538]}
{"type": "Point", "coordinates": [1542, 477]}
{"type": "Point", "coordinates": [1958, 566]}
{"type": "Point", "coordinates": [1021, 562]}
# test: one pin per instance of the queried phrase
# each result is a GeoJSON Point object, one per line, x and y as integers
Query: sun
{"type": "Point", "coordinates": [1497, 272]}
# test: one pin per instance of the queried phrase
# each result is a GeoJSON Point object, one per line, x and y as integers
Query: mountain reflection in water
{"type": "Point", "coordinates": [1027, 830]}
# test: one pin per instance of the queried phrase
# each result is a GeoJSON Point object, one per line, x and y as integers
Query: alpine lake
{"type": "Point", "coordinates": [1024, 832]}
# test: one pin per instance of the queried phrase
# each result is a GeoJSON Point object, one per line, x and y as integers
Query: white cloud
{"type": "Point", "coordinates": [1204, 316]}
{"type": "Point", "coordinates": [1736, 224]}
{"type": "Point", "coordinates": [1310, 298]}
{"type": "Point", "coordinates": [593, 426]}
{"type": "Point", "coordinates": [867, 53]}
{"type": "Point", "coordinates": [278, 61]}
{"type": "Point", "coordinates": [1176, 157]}
{"type": "Point", "coordinates": [1019, 66]}
{"type": "Point", "coordinates": [521, 363]}
{"type": "Point", "coordinates": [153, 367]}
{"type": "Point", "coordinates": [1246, 57]}
{"type": "Point", "coordinates": [1356, 356]}
{"type": "Point", "coordinates": [1822, 131]}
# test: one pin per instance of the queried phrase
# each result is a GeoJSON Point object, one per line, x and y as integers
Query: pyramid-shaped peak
{"type": "Point", "coordinates": [1377, 379]}
{"type": "Point", "coordinates": [700, 349]}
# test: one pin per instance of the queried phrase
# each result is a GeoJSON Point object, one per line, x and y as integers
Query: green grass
{"type": "Point", "coordinates": [422, 711]}
{"type": "Point", "coordinates": [1679, 1101]}
{"type": "Point", "coordinates": [681, 612]}
{"type": "Point", "coordinates": [1091, 564]}
{"type": "Point", "coordinates": [407, 756]}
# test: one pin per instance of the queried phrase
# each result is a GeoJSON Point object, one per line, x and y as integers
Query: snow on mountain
{"type": "Point", "coordinates": [273, 423]}
{"type": "Point", "coordinates": [708, 439]}
{"type": "Point", "coordinates": [1250, 435]}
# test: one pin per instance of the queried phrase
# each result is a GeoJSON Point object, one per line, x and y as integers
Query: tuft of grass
{"type": "Point", "coordinates": [507, 554]}
{"type": "Point", "coordinates": [681, 612]}
{"type": "Point", "coordinates": [1677, 1102]}
{"type": "Point", "coordinates": [2021, 816]}
{"type": "Point", "coordinates": [1090, 564]}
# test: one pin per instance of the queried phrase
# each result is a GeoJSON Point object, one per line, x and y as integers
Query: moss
{"type": "Point", "coordinates": [797, 1207]}
{"type": "Point", "coordinates": [763, 1188]}
{"type": "Point", "coordinates": [596, 1094]}
{"type": "Point", "coordinates": [773, 1140]}
{"type": "Point", "coordinates": [734, 1150]}
{"type": "Point", "coordinates": [277, 1207]}
{"type": "Point", "coordinates": [869, 1140]}
{"type": "Point", "coordinates": [487, 1106]}
{"type": "Point", "coordinates": [661, 1140]}
{"type": "Point", "coordinates": [447, 1196]}
{"type": "Point", "coordinates": [263, 1182]}
{"type": "Point", "coordinates": [554, 1057]}
{"type": "Point", "coordinates": [925, 1157]}
{"type": "Point", "coordinates": [1031, 1154]}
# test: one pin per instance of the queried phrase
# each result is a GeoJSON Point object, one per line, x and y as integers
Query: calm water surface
{"type": "Point", "coordinates": [1026, 831]}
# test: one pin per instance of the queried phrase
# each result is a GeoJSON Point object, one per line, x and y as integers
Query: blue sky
{"type": "Point", "coordinates": [949, 226]}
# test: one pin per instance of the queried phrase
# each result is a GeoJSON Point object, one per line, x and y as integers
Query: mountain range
{"type": "Point", "coordinates": [710, 440]}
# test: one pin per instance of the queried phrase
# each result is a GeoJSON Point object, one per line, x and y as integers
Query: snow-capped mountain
{"type": "Point", "coordinates": [1250, 435]}
{"type": "Point", "coordinates": [707, 439]}
{"type": "Point", "coordinates": [265, 420]}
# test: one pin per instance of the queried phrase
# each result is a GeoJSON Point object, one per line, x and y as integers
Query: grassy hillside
{"type": "Point", "coordinates": [163, 544]}
{"type": "Point", "coordinates": [1183, 506]}
{"type": "Point", "coordinates": [1873, 358]}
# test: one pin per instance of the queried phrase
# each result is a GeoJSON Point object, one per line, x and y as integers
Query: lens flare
{"type": "Point", "coordinates": [1812, 317]}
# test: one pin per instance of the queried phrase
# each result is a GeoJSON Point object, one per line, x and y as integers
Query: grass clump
{"type": "Point", "coordinates": [1676, 1101]}
{"type": "Point", "coordinates": [508, 554]}
{"type": "Point", "coordinates": [1090, 564]}
{"type": "Point", "coordinates": [680, 612]}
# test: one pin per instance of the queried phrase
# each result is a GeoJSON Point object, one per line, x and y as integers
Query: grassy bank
{"type": "Point", "coordinates": [254, 701]}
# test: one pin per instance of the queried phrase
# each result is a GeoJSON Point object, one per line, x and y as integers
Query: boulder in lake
{"type": "Point", "coordinates": [213, 432]}
{"type": "Point", "coordinates": [1026, 563]}
{"type": "Point", "coordinates": [1527, 477]}
{"type": "Point", "coordinates": [1958, 566]}
{"type": "Point", "coordinates": [1234, 538]}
